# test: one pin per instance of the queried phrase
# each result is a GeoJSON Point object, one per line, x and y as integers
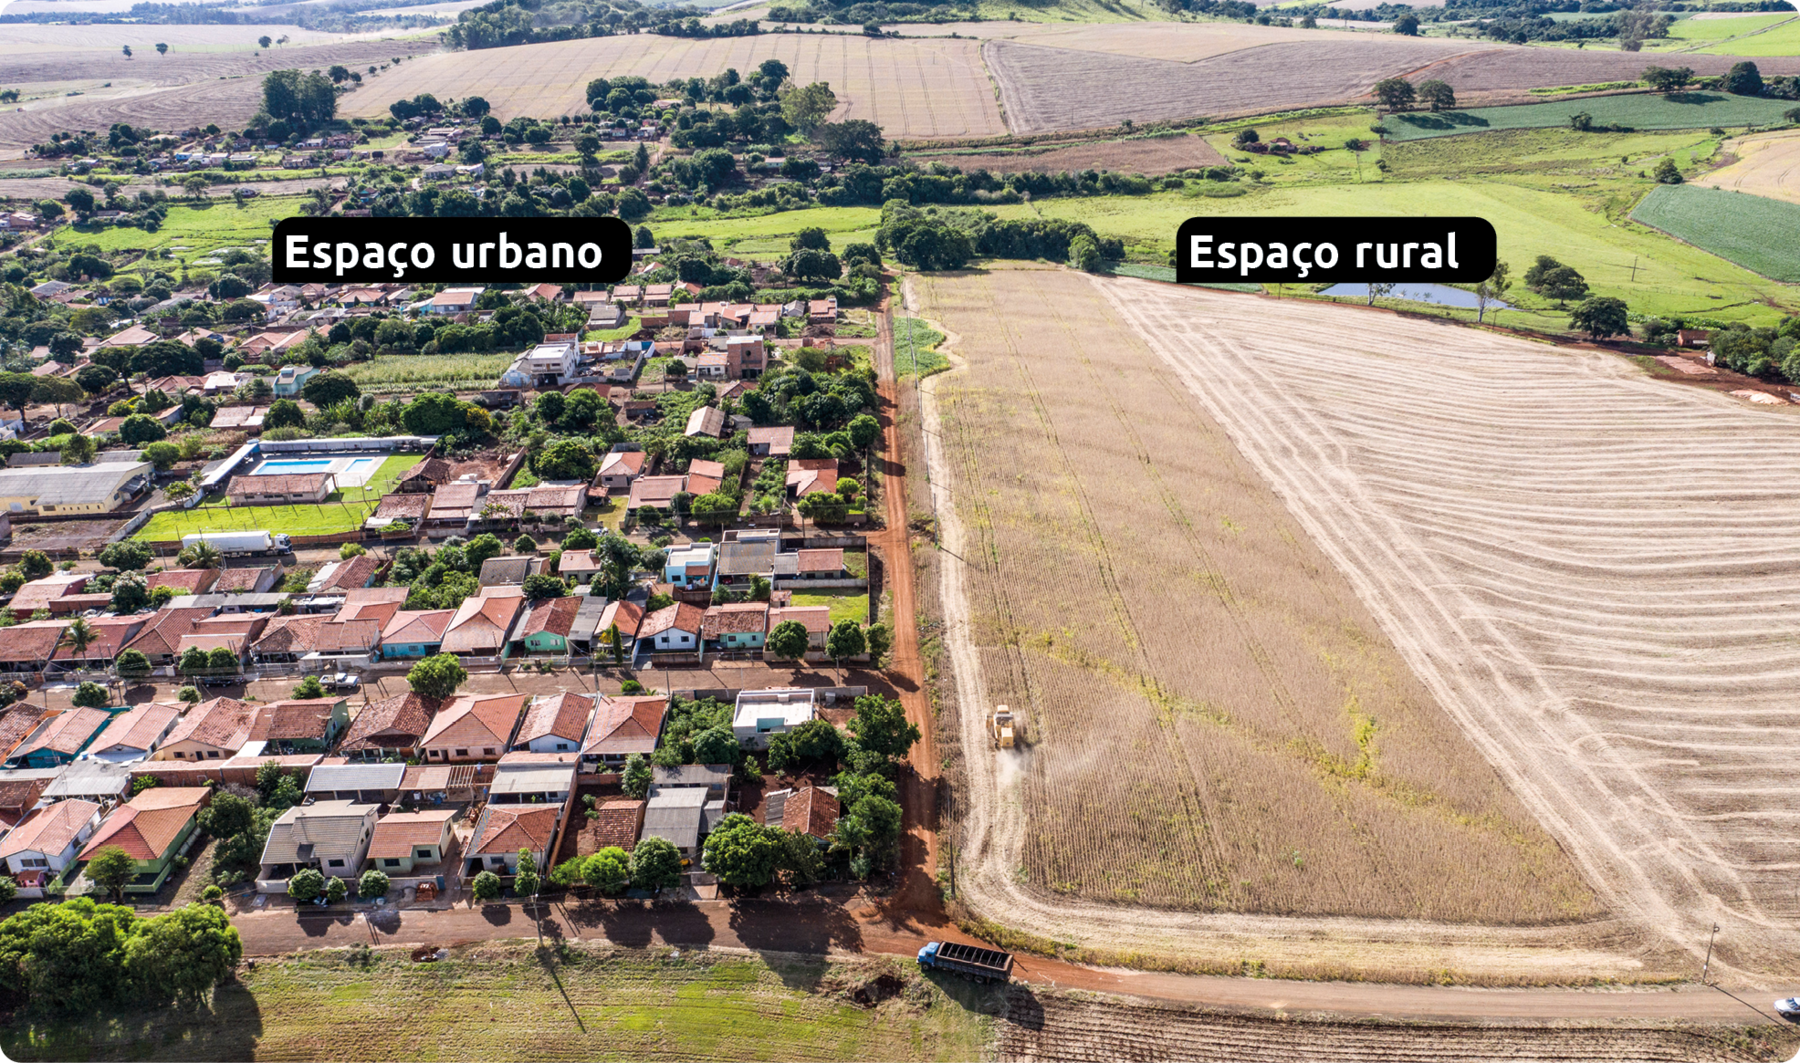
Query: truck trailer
{"type": "Point", "coordinates": [240, 543]}
{"type": "Point", "coordinates": [970, 961]}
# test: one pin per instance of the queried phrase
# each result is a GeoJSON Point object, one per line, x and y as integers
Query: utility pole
{"type": "Point", "coordinates": [1709, 951]}
{"type": "Point", "coordinates": [1634, 264]}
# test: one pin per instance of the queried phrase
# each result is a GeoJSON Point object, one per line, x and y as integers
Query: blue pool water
{"type": "Point", "coordinates": [297, 465]}
{"type": "Point", "coordinates": [1418, 293]}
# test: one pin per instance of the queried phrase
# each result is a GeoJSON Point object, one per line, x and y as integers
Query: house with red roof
{"type": "Point", "coordinates": [390, 727]}
{"type": "Point", "coordinates": [153, 828]}
{"type": "Point", "coordinates": [473, 728]}
{"type": "Point", "coordinates": [544, 628]}
{"type": "Point", "coordinates": [673, 628]}
{"type": "Point", "coordinates": [482, 622]}
{"type": "Point", "coordinates": [135, 733]}
{"type": "Point", "coordinates": [45, 842]}
{"type": "Point", "coordinates": [211, 730]}
{"type": "Point", "coordinates": [555, 723]}
{"type": "Point", "coordinates": [59, 739]}
{"type": "Point", "coordinates": [503, 830]}
{"type": "Point", "coordinates": [622, 726]}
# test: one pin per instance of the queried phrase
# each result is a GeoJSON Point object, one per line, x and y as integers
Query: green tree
{"type": "Point", "coordinates": [486, 887]}
{"type": "Point", "coordinates": [1666, 172]}
{"type": "Point", "coordinates": [112, 869]}
{"type": "Point", "coordinates": [188, 695]}
{"type": "Point", "coordinates": [227, 814]}
{"type": "Point", "coordinates": [524, 544]}
{"type": "Point", "coordinates": [481, 550]}
{"type": "Point", "coordinates": [608, 871]}
{"type": "Point", "coordinates": [880, 726]}
{"type": "Point", "coordinates": [91, 695]}
{"type": "Point", "coordinates": [336, 890]}
{"type": "Point", "coordinates": [1601, 317]}
{"type": "Point", "coordinates": [193, 661]}
{"type": "Point", "coordinates": [163, 455]}
{"type": "Point", "coordinates": [1743, 80]}
{"type": "Point", "coordinates": [1564, 284]}
{"type": "Point", "coordinates": [635, 781]}
{"type": "Point", "coordinates": [1491, 290]}
{"type": "Point", "coordinates": [716, 745]}
{"type": "Point", "coordinates": [131, 664]}
{"type": "Point", "coordinates": [326, 390]}
{"type": "Point", "coordinates": [542, 586]}
{"type": "Point", "coordinates": [857, 140]}
{"type": "Point", "coordinates": [845, 639]}
{"type": "Point", "coordinates": [373, 884]}
{"type": "Point", "coordinates": [182, 956]}
{"type": "Point", "coordinates": [789, 640]}
{"type": "Point", "coordinates": [67, 957]}
{"type": "Point", "coordinates": [655, 865]}
{"type": "Point", "coordinates": [881, 641]}
{"type": "Point", "coordinates": [437, 677]}
{"type": "Point", "coordinates": [222, 658]}
{"type": "Point", "coordinates": [1407, 25]}
{"type": "Point", "coordinates": [309, 687]}
{"type": "Point", "coordinates": [800, 857]}
{"type": "Point", "coordinates": [284, 413]}
{"type": "Point", "coordinates": [1665, 80]}
{"type": "Point", "coordinates": [805, 107]}
{"type": "Point", "coordinates": [306, 885]}
{"type": "Point", "coordinates": [742, 852]}
{"type": "Point", "coordinates": [1394, 94]}
{"type": "Point", "coordinates": [36, 564]}
{"type": "Point", "coordinates": [1084, 254]}
{"type": "Point", "coordinates": [139, 429]}
{"type": "Point", "coordinates": [1438, 95]}
{"type": "Point", "coordinates": [8, 889]}
{"type": "Point", "coordinates": [126, 555]}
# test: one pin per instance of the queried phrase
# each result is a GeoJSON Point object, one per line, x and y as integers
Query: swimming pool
{"type": "Point", "coordinates": [346, 471]}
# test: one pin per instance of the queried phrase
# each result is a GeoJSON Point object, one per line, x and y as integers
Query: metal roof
{"type": "Point", "coordinates": [327, 778]}
{"type": "Point", "coordinates": [90, 778]}
{"type": "Point", "coordinates": [66, 484]}
{"type": "Point", "coordinates": [552, 778]}
{"type": "Point", "coordinates": [675, 813]}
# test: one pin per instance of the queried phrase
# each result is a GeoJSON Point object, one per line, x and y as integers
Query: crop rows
{"type": "Point", "coordinates": [1213, 720]}
{"type": "Point", "coordinates": [915, 88]}
{"type": "Point", "coordinates": [1756, 233]}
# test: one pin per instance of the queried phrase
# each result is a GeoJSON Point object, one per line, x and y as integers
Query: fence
{"type": "Point", "coordinates": [797, 584]}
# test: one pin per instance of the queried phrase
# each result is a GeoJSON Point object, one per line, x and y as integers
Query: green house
{"type": "Point", "coordinates": [544, 628]}
{"type": "Point", "coordinates": [154, 827]}
{"type": "Point", "coordinates": [303, 725]}
{"type": "Point", "coordinates": [735, 626]}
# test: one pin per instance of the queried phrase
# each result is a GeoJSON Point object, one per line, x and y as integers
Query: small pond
{"type": "Point", "coordinates": [1419, 293]}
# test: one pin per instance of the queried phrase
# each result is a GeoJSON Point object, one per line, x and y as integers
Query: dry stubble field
{"type": "Point", "coordinates": [911, 88]}
{"type": "Point", "coordinates": [1215, 722]}
{"type": "Point", "coordinates": [1768, 165]}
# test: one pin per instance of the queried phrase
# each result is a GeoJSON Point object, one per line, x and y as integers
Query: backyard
{"type": "Point", "coordinates": [342, 511]}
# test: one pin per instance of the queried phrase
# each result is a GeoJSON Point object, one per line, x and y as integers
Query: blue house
{"type": "Point", "coordinates": [415, 633]}
{"type": "Point", "coordinates": [291, 379]}
{"type": "Point", "coordinates": [59, 739]}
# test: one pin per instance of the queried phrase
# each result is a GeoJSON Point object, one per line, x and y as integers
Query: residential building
{"type": "Point", "coordinates": [579, 565]}
{"type": "Point", "coordinates": [368, 784]}
{"type": "Point", "coordinates": [820, 564]}
{"type": "Point", "coordinates": [473, 728]}
{"type": "Point", "coordinates": [760, 714]}
{"type": "Point", "coordinates": [555, 723]}
{"type": "Point", "coordinates": [41, 593]}
{"type": "Point", "coordinates": [750, 554]}
{"type": "Point", "coordinates": [183, 581]}
{"type": "Point", "coordinates": [503, 830]}
{"type": "Point", "coordinates": [690, 565]}
{"type": "Point", "coordinates": [26, 647]}
{"type": "Point", "coordinates": [550, 364]}
{"type": "Point", "coordinates": [453, 300]}
{"type": "Point", "coordinates": [623, 617]}
{"type": "Point", "coordinates": [405, 842]}
{"type": "Point", "coordinates": [59, 739]}
{"type": "Point", "coordinates": [331, 836]}
{"type": "Point", "coordinates": [616, 822]}
{"type": "Point", "coordinates": [253, 580]}
{"type": "Point", "coordinates": [544, 628]}
{"type": "Point", "coordinates": [712, 779]}
{"type": "Point", "coordinates": [135, 733]}
{"type": "Point", "coordinates": [92, 780]}
{"type": "Point", "coordinates": [45, 842]}
{"type": "Point", "coordinates": [735, 625]}
{"type": "Point", "coordinates": [658, 492]}
{"type": "Point", "coordinates": [810, 476]}
{"type": "Point", "coordinates": [291, 379]}
{"type": "Point", "coordinates": [415, 632]}
{"type": "Point", "coordinates": [623, 725]}
{"type": "Point", "coordinates": [773, 442]}
{"type": "Point", "coordinates": [160, 638]}
{"type": "Point", "coordinates": [391, 727]}
{"type": "Point", "coordinates": [153, 828]}
{"type": "Point", "coordinates": [510, 571]}
{"type": "Point", "coordinates": [211, 730]}
{"type": "Point", "coordinates": [286, 489]}
{"type": "Point", "coordinates": [673, 628]}
{"type": "Point", "coordinates": [620, 467]}
{"type": "Point", "coordinates": [816, 619]}
{"type": "Point", "coordinates": [810, 810]}
{"type": "Point", "coordinates": [302, 725]}
{"type": "Point", "coordinates": [677, 815]}
{"type": "Point", "coordinates": [533, 779]}
{"type": "Point", "coordinates": [704, 477]}
{"type": "Point", "coordinates": [706, 421]}
{"type": "Point", "coordinates": [482, 622]}
{"type": "Point", "coordinates": [58, 489]}
{"type": "Point", "coordinates": [20, 792]}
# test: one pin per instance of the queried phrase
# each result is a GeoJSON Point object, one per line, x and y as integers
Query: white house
{"type": "Point", "coordinates": [761, 713]}
{"type": "Point", "coordinates": [44, 842]}
{"type": "Point", "coordinates": [672, 628]}
{"type": "Point", "coordinates": [546, 365]}
{"type": "Point", "coordinates": [453, 300]}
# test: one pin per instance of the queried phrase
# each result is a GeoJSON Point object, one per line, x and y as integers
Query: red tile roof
{"type": "Point", "coordinates": [137, 728]}
{"type": "Point", "coordinates": [476, 721]}
{"type": "Point", "coordinates": [161, 637]}
{"type": "Point", "coordinates": [680, 616]}
{"type": "Point", "coordinates": [618, 822]}
{"type": "Point", "coordinates": [149, 823]}
{"type": "Point", "coordinates": [30, 643]}
{"type": "Point", "coordinates": [555, 616]}
{"type": "Point", "coordinates": [295, 718]}
{"type": "Point", "coordinates": [398, 833]}
{"type": "Point", "coordinates": [248, 580]}
{"type": "Point", "coordinates": [509, 828]}
{"type": "Point", "coordinates": [111, 633]}
{"type": "Point", "coordinates": [810, 811]}
{"type": "Point", "coordinates": [735, 618]}
{"type": "Point", "coordinates": [562, 715]}
{"type": "Point", "coordinates": [224, 723]}
{"type": "Point", "coordinates": [629, 616]}
{"type": "Point", "coordinates": [627, 724]}
{"type": "Point", "coordinates": [184, 580]}
{"type": "Point", "coordinates": [357, 572]}
{"type": "Point", "coordinates": [391, 723]}
{"type": "Point", "coordinates": [417, 626]}
{"type": "Point", "coordinates": [66, 733]}
{"type": "Point", "coordinates": [49, 830]}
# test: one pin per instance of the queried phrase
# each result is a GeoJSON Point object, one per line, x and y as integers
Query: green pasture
{"type": "Point", "coordinates": [193, 230]}
{"type": "Point", "coordinates": [845, 604]}
{"type": "Point", "coordinates": [1783, 40]}
{"type": "Point", "coordinates": [1718, 29]}
{"type": "Point", "coordinates": [765, 236]}
{"type": "Point", "coordinates": [1756, 233]}
{"type": "Point", "coordinates": [1685, 110]}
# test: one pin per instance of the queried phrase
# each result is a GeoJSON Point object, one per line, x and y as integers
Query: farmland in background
{"type": "Point", "coordinates": [503, 1004]}
{"type": "Point", "coordinates": [1691, 110]}
{"type": "Point", "coordinates": [1768, 164]}
{"type": "Point", "coordinates": [1692, 30]}
{"type": "Point", "coordinates": [1756, 233]}
{"type": "Point", "coordinates": [914, 88]}
{"type": "Point", "coordinates": [1214, 721]}
{"type": "Point", "coordinates": [1150, 155]}
{"type": "Point", "coordinates": [1782, 40]}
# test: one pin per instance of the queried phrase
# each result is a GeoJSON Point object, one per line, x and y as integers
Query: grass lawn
{"type": "Point", "coordinates": [766, 236]}
{"type": "Point", "coordinates": [1687, 110]}
{"type": "Point", "coordinates": [343, 511]}
{"type": "Point", "coordinates": [915, 349]}
{"type": "Point", "coordinates": [1718, 29]}
{"type": "Point", "coordinates": [845, 604]}
{"type": "Point", "coordinates": [508, 1004]}
{"type": "Point", "coordinates": [409, 372]}
{"type": "Point", "coordinates": [623, 332]}
{"type": "Point", "coordinates": [193, 231]}
{"type": "Point", "coordinates": [1756, 233]}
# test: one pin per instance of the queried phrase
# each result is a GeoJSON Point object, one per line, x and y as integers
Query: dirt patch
{"type": "Point", "coordinates": [1764, 165]}
{"type": "Point", "coordinates": [1148, 155]}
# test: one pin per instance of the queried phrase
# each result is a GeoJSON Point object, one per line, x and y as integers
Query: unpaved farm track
{"type": "Point", "coordinates": [1579, 562]}
{"type": "Point", "coordinates": [1056, 1027]}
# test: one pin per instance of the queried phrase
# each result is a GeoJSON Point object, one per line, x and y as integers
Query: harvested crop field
{"type": "Point", "coordinates": [1050, 1027]}
{"type": "Point", "coordinates": [1514, 69]}
{"type": "Point", "coordinates": [1145, 155]}
{"type": "Point", "coordinates": [502, 1002]}
{"type": "Point", "coordinates": [1756, 233]}
{"type": "Point", "coordinates": [1767, 165]}
{"type": "Point", "coordinates": [1181, 42]}
{"type": "Point", "coordinates": [1688, 110]}
{"type": "Point", "coordinates": [911, 88]}
{"type": "Point", "coordinates": [1214, 722]}
{"type": "Point", "coordinates": [170, 92]}
{"type": "Point", "coordinates": [48, 40]}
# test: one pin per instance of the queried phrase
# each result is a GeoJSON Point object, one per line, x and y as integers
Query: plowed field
{"type": "Point", "coordinates": [911, 88]}
{"type": "Point", "coordinates": [1146, 155]}
{"type": "Point", "coordinates": [1768, 165]}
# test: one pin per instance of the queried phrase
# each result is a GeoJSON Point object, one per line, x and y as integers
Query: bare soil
{"type": "Point", "coordinates": [1764, 165]}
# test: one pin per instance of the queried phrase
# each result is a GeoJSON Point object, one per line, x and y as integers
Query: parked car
{"type": "Point", "coordinates": [1789, 1009]}
{"type": "Point", "coordinates": [343, 681]}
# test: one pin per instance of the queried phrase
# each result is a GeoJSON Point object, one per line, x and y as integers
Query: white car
{"type": "Point", "coordinates": [344, 681]}
{"type": "Point", "coordinates": [1789, 1009]}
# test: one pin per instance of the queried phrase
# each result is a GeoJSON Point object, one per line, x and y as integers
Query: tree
{"type": "Point", "coordinates": [308, 688]}
{"type": "Point", "coordinates": [1563, 284]}
{"type": "Point", "coordinates": [1666, 172]}
{"type": "Point", "coordinates": [880, 726]}
{"type": "Point", "coordinates": [635, 781]}
{"type": "Point", "coordinates": [303, 100]}
{"type": "Point", "coordinates": [16, 390]}
{"type": "Point", "coordinates": [608, 871]}
{"type": "Point", "coordinates": [201, 556]}
{"type": "Point", "coordinates": [90, 695]}
{"type": "Point", "coordinates": [264, 41]}
{"type": "Point", "coordinates": [8, 889]}
{"type": "Point", "coordinates": [112, 869]}
{"type": "Point", "coordinates": [437, 676]}
{"type": "Point", "coordinates": [336, 890]}
{"type": "Point", "coordinates": [35, 564]}
{"type": "Point", "coordinates": [742, 852]}
{"type": "Point", "coordinates": [845, 639]}
{"type": "Point", "coordinates": [808, 264]}
{"type": "Point", "coordinates": [1492, 289]}
{"type": "Point", "coordinates": [182, 956]}
{"type": "Point", "coordinates": [526, 883]}
{"type": "Point", "coordinates": [716, 745]}
{"type": "Point", "coordinates": [881, 641]}
{"type": "Point", "coordinates": [789, 640]}
{"type": "Point", "coordinates": [655, 865]}
{"type": "Point", "coordinates": [871, 828]}
{"type": "Point", "coordinates": [565, 459]}
{"type": "Point", "coordinates": [163, 455]}
{"type": "Point", "coordinates": [193, 661]}
{"type": "Point", "coordinates": [326, 390]}
{"type": "Point", "coordinates": [857, 140]}
{"type": "Point", "coordinates": [542, 586]}
{"type": "Point", "coordinates": [284, 413]}
{"type": "Point", "coordinates": [372, 884]}
{"type": "Point", "coordinates": [58, 391]}
{"type": "Point", "coordinates": [131, 664]}
{"type": "Point", "coordinates": [129, 594]}
{"type": "Point", "coordinates": [524, 544]}
{"type": "Point", "coordinates": [141, 428]}
{"type": "Point", "coordinates": [67, 957]}
{"type": "Point", "coordinates": [1438, 95]}
{"type": "Point", "coordinates": [227, 814]}
{"type": "Point", "coordinates": [1665, 80]}
{"type": "Point", "coordinates": [805, 107]}
{"type": "Point", "coordinates": [1600, 317]}
{"type": "Point", "coordinates": [486, 887]}
{"type": "Point", "coordinates": [306, 885]}
{"type": "Point", "coordinates": [1743, 80]}
{"type": "Point", "coordinates": [162, 49]}
{"type": "Point", "coordinates": [1395, 94]}
{"type": "Point", "coordinates": [96, 379]}
{"type": "Point", "coordinates": [482, 549]}
{"type": "Point", "coordinates": [1407, 25]}
{"type": "Point", "coordinates": [188, 695]}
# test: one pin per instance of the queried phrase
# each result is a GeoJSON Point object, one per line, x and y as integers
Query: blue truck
{"type": "Point", "coordinates": [970, 961]}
